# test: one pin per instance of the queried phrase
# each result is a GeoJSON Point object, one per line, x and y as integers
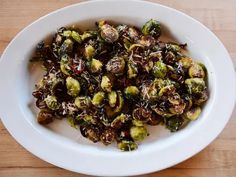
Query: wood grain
{"type": "Point", "coordinates": [218, 159]}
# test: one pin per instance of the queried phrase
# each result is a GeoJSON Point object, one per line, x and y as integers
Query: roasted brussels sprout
{"type": "Point", "coordinates": [141, 114]}
{"type": "Point", "coordinates": [193, 113]}
{"type": "Point", "coordinates": [51, 102]}
{"type": "Point", "coordinates": [116, 65]}
{"type": "Point", "coordinates": [201, 98]}
{"type": "Point", "coordinates": [66, 47]}
{"type": "Point", "coordinates": [177, 108]}
{"type": "Point", "coordinates": [138, 133]}
{"type": "Point", "coordinates": [196, 70]}
{"type": "Point", "coordinates": [132, 70]}
{"type": "Point", "coordinates": [91, 132]}
{"type": "Point", "coordinates": [131, 92]}
{"type": "Point", "coordinates": [45, 117]}
{"type": "Point", "coordinates": [82, 102]}
{"type": "Point", "coordinates": [186, 62]}
{"type": "Point", "coordinates": [133, 33]}
{"type": "Point", "coordinates": [98, 98]}
{"type": "Point", "coordinates": [71, 121]}
{"type": "Point", "coordinates": [112, 99]}
{"type": "Point", "coordinates": [73, 86]}
{"type": "Point", "coordinates": [108, 33]}
{"type": "Point", "coordinates": [110, 112]}
{"type": "Point", "coordinates": [107, 136]}
{"type": "Point", "coordinates": [89, 52]}
{"type": "Point", "coordinates": [88, 34]}
{"type": "Point", "coordinates": [66, 33]}
{"type": "Point", "coordinates": [152, 27]}
{"type": "Point", "coordinates": [169, 58]}
{"type": "Point", "coordinates": [126, 145]}
{"type": "Point", "coordinates": [147, 41]}
{"type": "Point", "coordinates": [95, 66]}
{"type": "Point", "coordinates": [75, 35]}
{"type": "Point", "coordinates": [173, 47]}
{"type": "Point", "coordinates": [119, 120]}
{"type": "Point", "coordinates": [159, 69]}
{"type": "Point", "coordinates": [195, 85]}
{"type": "Point", "coordinates": [106, 84]}
{"type": "Point", "coordinates": [64, 65]}
{"type": "Point", "coordinates": [174, 123]}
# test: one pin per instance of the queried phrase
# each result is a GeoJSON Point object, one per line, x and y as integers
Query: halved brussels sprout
{"type": "Point", "coordinates": [116, 65]}
{"type": "Point", "coordinates": [132, 70]}
{"type": "Point", "coordinates": [138, 133]}
{"type": "Point", "coordinates": [110, 112]}
{"type": "Point", "coordinates": [119, 121]}
{"type": "Point", "coordinates": [66, 33]}
{"type": "Point", "coordinates": [51, 102]}
{"type": "Point", "coordinates": [173, 47]}
{"type": "Point", "coordinates": [169, 58]}
{"type": "Point", "coordinates": [73, 86]}
{"type": "Point", "coordinates": [91, 132]}
{"type": "Point", "coordinates": [108, 136]}
{"type": "Point", "coordinates": [75, 35]}
{"type": "Point", "coordinates": [98, 98]}
{"type": "Point", "coordinates": [177, 108]}
{"type": "Point", "coordinates": [45, 117]}
{"type": "Point", "coordinates": [175, 99]}
{"type": "Point", "coordinates": [88, 34]}
{"type": "Point", "coordinates": [71, 121]}
{"type": "Point", "coordinates": [152, 27]}
{"type": "Point", "coordinates": [121, 28]}
{"type": "Point", "coordinates": [112, 98]}
{"type": "Point", "coordinates": [200, 98]}
{"type": "Point", "coordinates": [188, 100]}
{"type": "Point", "coordinates": [82, 102]}
{"type": "Point", "coordinates": [141, 114]}
{"type": "Point", "coordinates": [126, 145]}
{"type": "Point", "coordinates": [131, 92]}
{"type": "Point", "coordinates": [186, 62]}
{"type": "Point", "coordinates": [159, 70]}
{"type": "Point", "coordinates": [133, 33]}
{"type": "Point", "coordinates": [66, 47]}
{"type": "Point", "coordinates": [95, 66]}
{"type": "Point", "coordinates": [196, 70]}
{"type": "Point", "coordinates": [108, 33]}
{"type": "Point", "coordinates": [64, 65]}
{"type": "Point", "coordinates": [195, 85]}
{"type": "Point", "coordinates": [174, 123]}
{"type": "Point", "coordinates": [106, 84]}
{"type": "Point", "coordinates": [89, 51]}
{"type": "Point", "coordinates": [147, 41]}
{"type": "Point", "coordinates": [126, 43]}
{"type": "Point", "coordinates": [193, 113]}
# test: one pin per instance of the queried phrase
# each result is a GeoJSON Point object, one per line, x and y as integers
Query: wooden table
{"type": "Point", "coordinates": [218, 159]}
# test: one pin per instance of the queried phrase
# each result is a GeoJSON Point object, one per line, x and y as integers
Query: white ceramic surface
{"type": "Point", "coordinates": [63, 146]}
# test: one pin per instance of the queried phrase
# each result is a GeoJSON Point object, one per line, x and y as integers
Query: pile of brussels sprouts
{"type": "Point", "coordinates": [113, 81]}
